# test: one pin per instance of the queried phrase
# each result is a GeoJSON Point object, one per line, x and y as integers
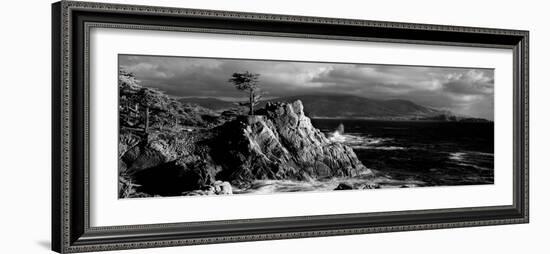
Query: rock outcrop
{"type": "Point", "coordinates": [280, 143]}
{"type": "Point", "coordinates": [167, 163]}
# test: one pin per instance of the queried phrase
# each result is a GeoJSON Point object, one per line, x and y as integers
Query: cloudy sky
{"type": "Point", "coordinates": [461, 90]}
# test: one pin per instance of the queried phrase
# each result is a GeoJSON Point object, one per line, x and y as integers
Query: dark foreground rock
{"type": "Point", "coordinates": [168, 163]}
{"type": "Point", "coordinates": [357, 186]}
{"type": "Point", "coordinates": [344, 186]}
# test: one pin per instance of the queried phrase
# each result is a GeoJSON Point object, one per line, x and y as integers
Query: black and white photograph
{"type": "Point", "coordinates": [210, 126]}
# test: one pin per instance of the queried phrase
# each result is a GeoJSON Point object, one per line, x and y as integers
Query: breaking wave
{"type": "Point", "coordinates": [362, 142]}
{"type": "Point", "coordinates": [472, 159]}
{"type": "Point", "coordinates": [285, 186]}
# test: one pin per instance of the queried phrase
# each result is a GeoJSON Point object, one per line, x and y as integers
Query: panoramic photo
{"type": "Point", "coordinates": [193, 126]}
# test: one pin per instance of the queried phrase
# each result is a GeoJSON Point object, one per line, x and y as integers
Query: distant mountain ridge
{"type": "Point", "coordinates": [210, 103]}
{"type": "Point", "coordinates": [347, 106]}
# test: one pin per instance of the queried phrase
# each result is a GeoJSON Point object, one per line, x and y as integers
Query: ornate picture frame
{"type": "Point", "coordinates": [71, 203]}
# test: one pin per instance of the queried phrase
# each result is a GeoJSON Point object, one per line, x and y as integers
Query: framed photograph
{"type": "Point", "coordinates": [182, 126]}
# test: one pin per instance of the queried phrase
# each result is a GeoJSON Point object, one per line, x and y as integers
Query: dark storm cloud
{"type": "Point", "coordinates": [461, 90]}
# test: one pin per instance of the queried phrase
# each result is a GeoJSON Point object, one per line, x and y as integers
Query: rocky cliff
{"type": "Point", "coordinates": [278, 143]}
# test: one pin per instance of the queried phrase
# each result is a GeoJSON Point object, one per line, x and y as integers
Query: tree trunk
{"type": "Point", "coordinates": [251, 98]}
{"type": "Point", "coordinates": [146, 120]}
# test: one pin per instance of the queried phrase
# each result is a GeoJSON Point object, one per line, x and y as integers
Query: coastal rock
{"type": "Point", "coordinates": [217, 188]}
{"type": "Point", "coordinates": [371, 186]}
{"type": "Point", "coordinates": [169, 163]}
{"type": "Point", "coordinates": [280, 143]}
{"type": "Point", "coordinates": [222, 188]}
{"type": "Point", "coordinates": [344, 186]}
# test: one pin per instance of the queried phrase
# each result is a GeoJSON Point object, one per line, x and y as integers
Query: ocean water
{"type": "Point", "coordinates": [403, 154]}
{"type": "Point", "coordinates": [434, 153]}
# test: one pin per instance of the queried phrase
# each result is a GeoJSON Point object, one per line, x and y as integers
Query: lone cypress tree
{"type": "Point", "coordinates": [247, 82]}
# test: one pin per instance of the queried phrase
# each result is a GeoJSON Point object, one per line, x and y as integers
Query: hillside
{"type": "Point", "coordinates": [340, 106]}
{"type": "Point", "coordinates": [145, 108]}
{"type": "Point", "coordinates": [345, 106]}
{"type": "Point", "coordinates": [210, 103]}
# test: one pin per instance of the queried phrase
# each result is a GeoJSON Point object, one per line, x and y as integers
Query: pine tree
{"type": "Point", "coordinates": [247, 82]}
